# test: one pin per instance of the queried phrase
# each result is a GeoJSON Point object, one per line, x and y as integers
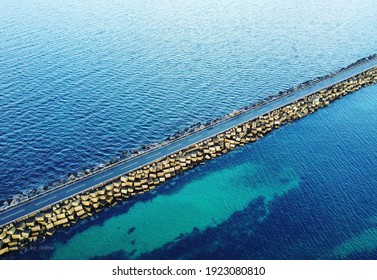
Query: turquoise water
{"type": "Point", "coordinates": [204, 202]}
{"type": "Point", "coordinates": [81, 81]}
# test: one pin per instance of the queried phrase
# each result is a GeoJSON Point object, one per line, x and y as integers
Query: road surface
{"type": "Point", "coordinates": [64, 192]}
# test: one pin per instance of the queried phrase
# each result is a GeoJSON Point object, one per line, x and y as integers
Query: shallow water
{"type": "Point", "coordinates": [204, 202]}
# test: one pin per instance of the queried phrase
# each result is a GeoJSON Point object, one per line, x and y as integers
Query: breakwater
{"type": "Point", "coordinates": [18, 234]}
{"type": "Point", "coordinates": [127, 155]}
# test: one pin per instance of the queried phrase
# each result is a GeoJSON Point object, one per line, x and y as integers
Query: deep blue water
{"type": "Point", "coordinates": [80, 81]}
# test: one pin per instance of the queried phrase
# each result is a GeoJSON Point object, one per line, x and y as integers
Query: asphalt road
{"type": "Point", "coordinates": [62, 193]}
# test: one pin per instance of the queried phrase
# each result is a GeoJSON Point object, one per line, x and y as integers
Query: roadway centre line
{"type": "Point", "coordinates": [103, 176]}
{"type": "Point", "coordinates": [75, 188]}
{"type": "Point", "coordinates": [125, 167]}
{"type": "Point", "coordinates": [153, 155]}
{"type": "Point", "coordinates": [196, 137]}
{"type": "Point", "coordinates": [3, 218]}
{"type": "Point", "coordinates": [173, 147]}
{"type": "Point", "coordinates": [45, 200]}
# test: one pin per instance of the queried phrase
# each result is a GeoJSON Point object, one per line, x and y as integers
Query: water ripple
{"type": "Point", "coordinates": [81, 81]}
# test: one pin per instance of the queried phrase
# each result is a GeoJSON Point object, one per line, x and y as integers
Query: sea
{"type": "Point", "coordinates": [83, 81]}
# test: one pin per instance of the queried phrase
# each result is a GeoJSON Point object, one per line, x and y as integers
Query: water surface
{"type": "Point", "coordinates": [81, 81]}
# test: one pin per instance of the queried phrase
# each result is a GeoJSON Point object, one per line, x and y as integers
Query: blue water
{"type": "Point", "coordinates": [81, 81]}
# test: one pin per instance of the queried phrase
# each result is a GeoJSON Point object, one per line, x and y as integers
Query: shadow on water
{"type": "Point", "coordinates": [293, 228]}
{"type": "Point", "coordinates": [189, 246]}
